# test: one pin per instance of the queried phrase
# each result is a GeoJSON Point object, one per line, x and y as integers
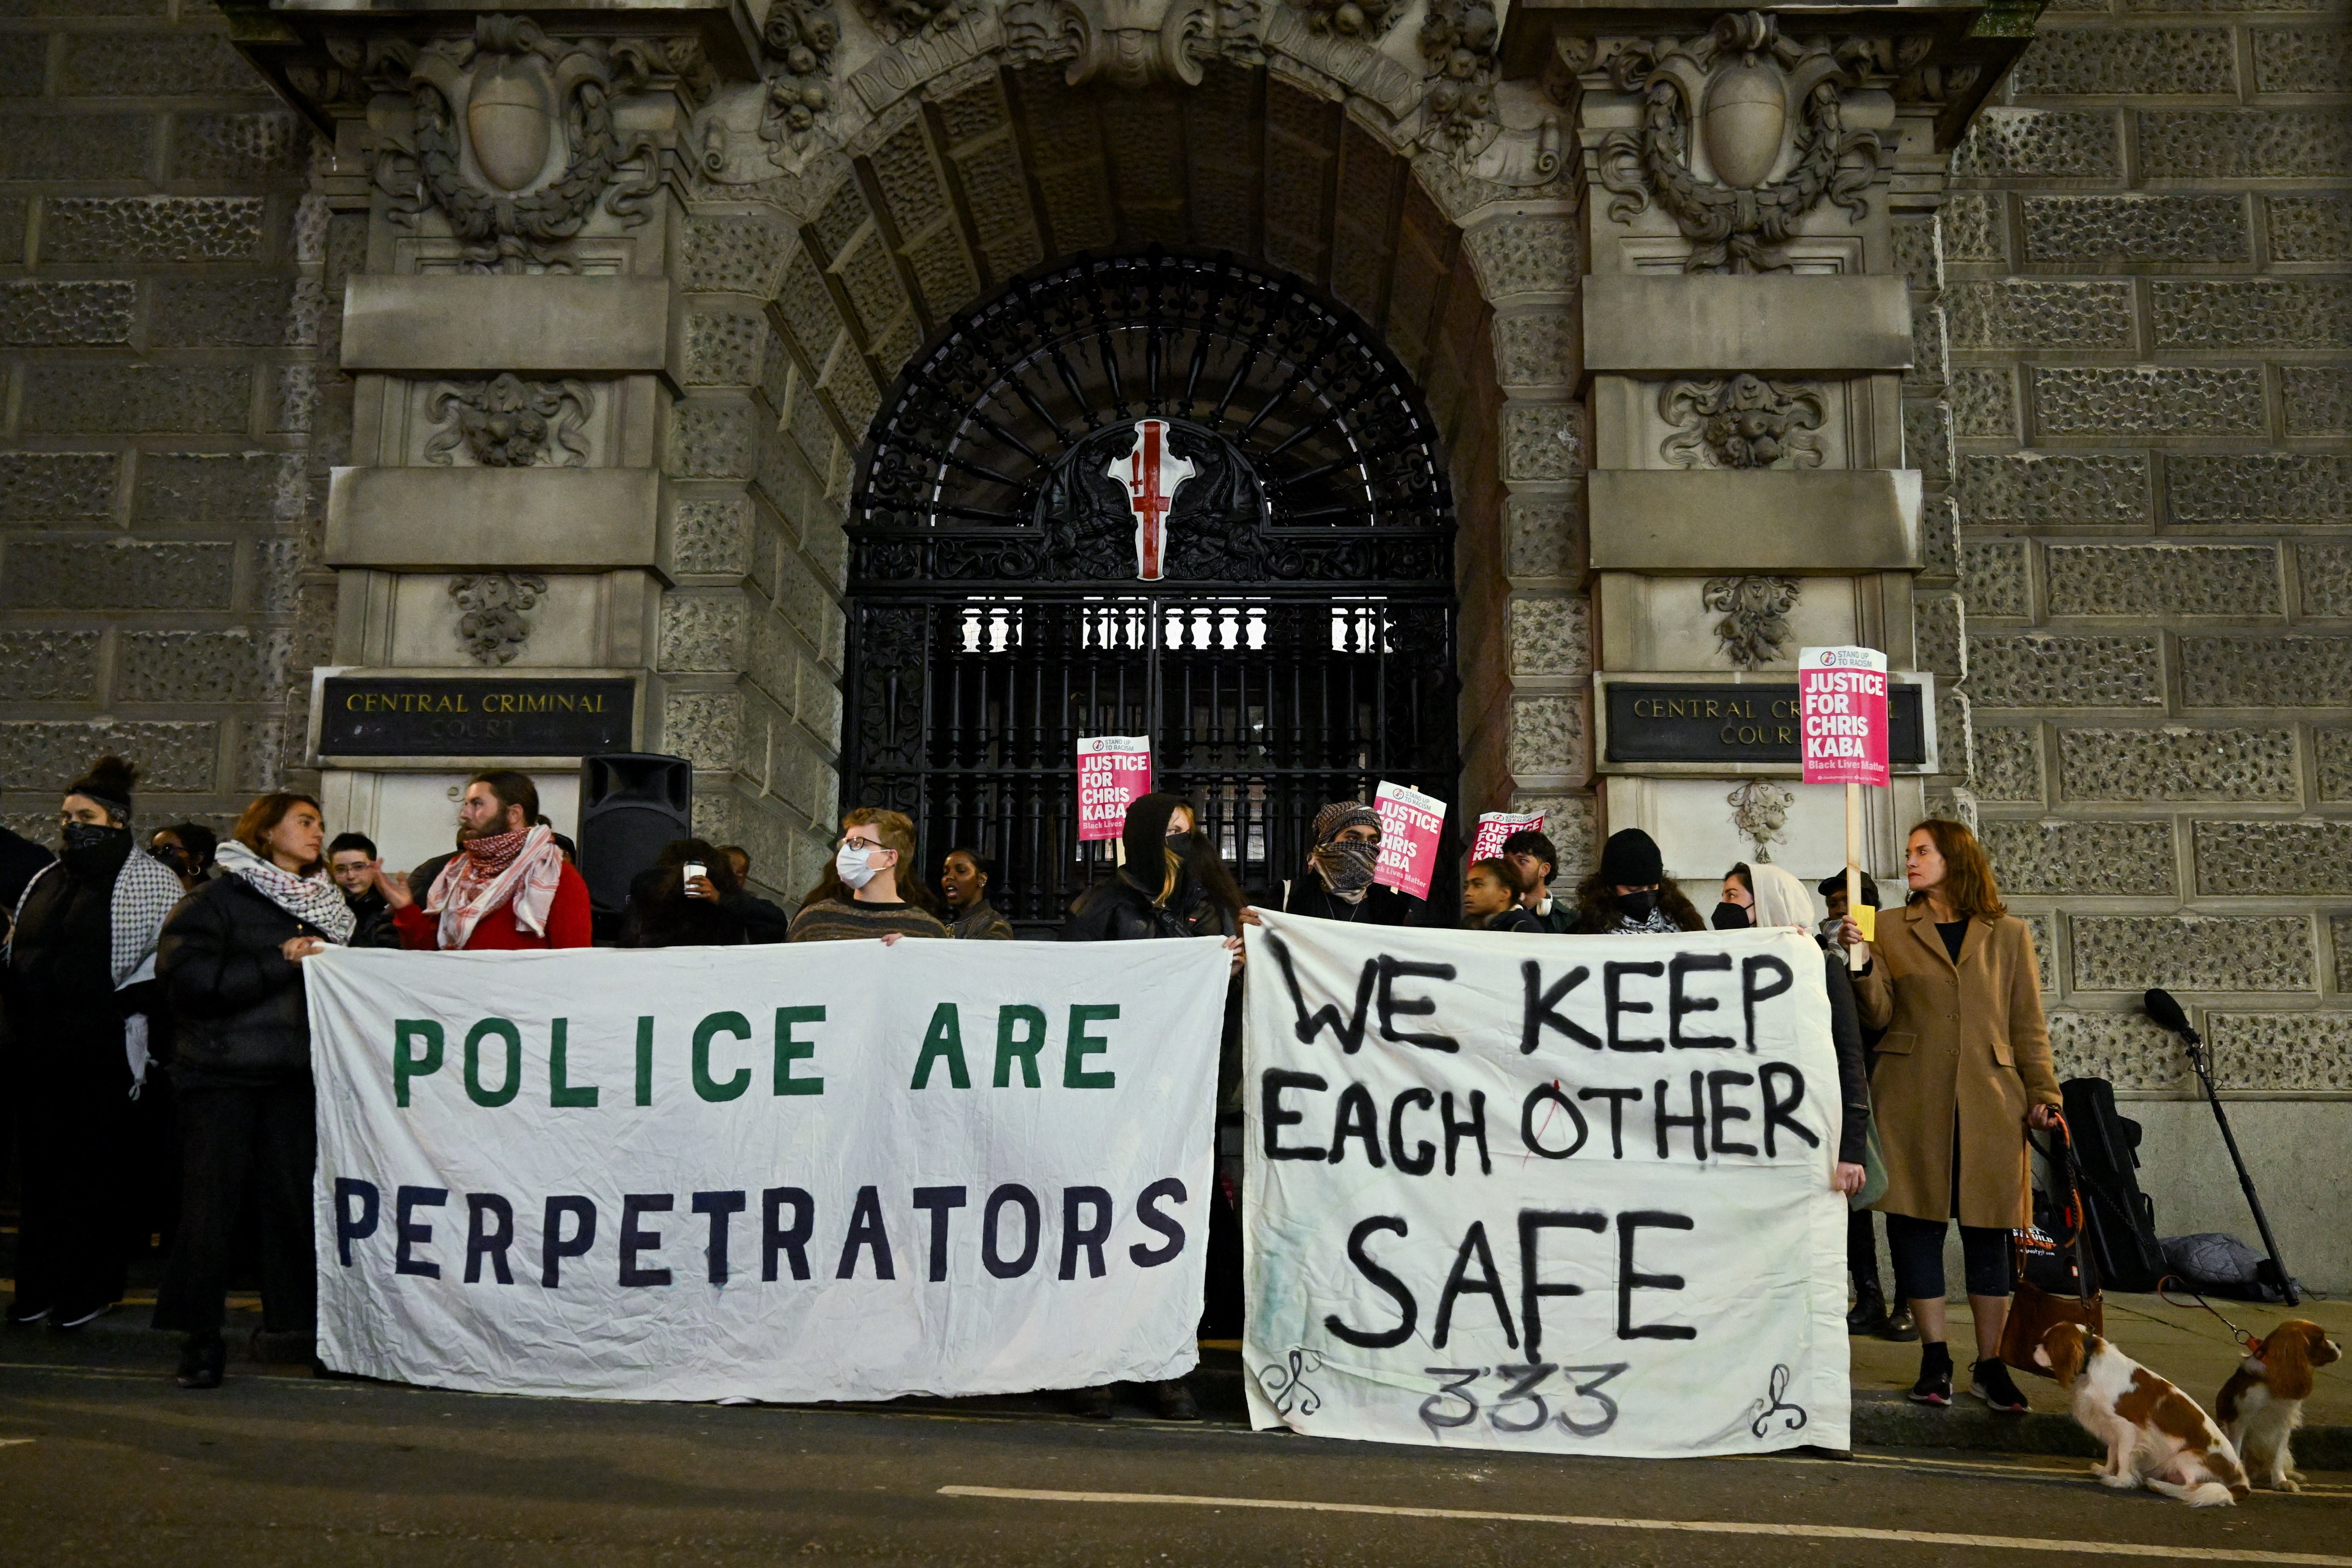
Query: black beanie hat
{"type": "Point", "coordinates": [1631, 859]}
{"type": "Point", "coordinates": [109, 782]}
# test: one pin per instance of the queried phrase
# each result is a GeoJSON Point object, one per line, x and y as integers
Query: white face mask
{"type": "Point", "coordinates": [855, 866]}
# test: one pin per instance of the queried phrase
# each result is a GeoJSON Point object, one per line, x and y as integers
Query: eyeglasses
{"type": "Point", "coordinates": [866, 844]}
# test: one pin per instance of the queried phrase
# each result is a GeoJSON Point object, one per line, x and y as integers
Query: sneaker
{"type": "Point", "coordinates": [1935, 1384]}
{"type": "Point", "coordinates": [73, 1318]}
{"type": "Point", "coordinates": [1899, 1326]}
{"type": "Point", "coordinates": [21, 1317]}
{"type": "Point", "coordinates": [1989, 1381]}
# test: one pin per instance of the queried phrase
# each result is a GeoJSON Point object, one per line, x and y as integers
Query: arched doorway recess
{"type": "Point", "coordinates": [1293, 641]}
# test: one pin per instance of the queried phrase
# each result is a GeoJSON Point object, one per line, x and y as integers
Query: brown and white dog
{"type": "Point", "coordinates": [2155, 1436]}
{"type": "Point", "coordinates": [2262, 1403]}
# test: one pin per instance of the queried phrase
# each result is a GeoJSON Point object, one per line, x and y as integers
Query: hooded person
{"type": "Point", "coordinates": [231, 963]}
{"type": "Point", "coordinates": [1151, 893]}
{"type": "Point", "coordinates": [79, 980]}
{"type": "Point", "coordinates": [1631, 893]}
{"type": "Point", "coordinates": [1782, 903]}
{"type": "Point", "coordinates": [1147, 897]}
{"type": "Point", "coordinates": [1338, 884]}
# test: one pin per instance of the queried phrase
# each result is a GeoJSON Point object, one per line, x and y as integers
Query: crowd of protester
{"type": "Point", "coordinates": [180, 969]}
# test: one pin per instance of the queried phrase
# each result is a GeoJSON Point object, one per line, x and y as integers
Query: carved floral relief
{"type": "Point", "coordinates": [510, 423]}
{"type": "Point", "coordinates": [492, 619]}
{"type": "Point", "coordinates": [1754, 627]}
{"type": "Point", "coordinates": [1741, 422]}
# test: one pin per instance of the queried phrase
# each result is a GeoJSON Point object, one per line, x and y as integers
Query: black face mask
{"type": "Point", "coordinates": [1637, 907]}
{"type": "Point", "coordinates": [93, 850]}
{"type": "Point", "coordinates": [1730, 917]}
{"type": "Point", "coordinates": [84, 836]}
{"type": "Point", "coordinates": [1185, 843]}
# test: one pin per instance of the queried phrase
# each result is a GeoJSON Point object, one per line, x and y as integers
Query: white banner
{"type": "Point", "coordinates": [1556, 1194]}
{"type": "Point", "coordinates": [833, 1171]}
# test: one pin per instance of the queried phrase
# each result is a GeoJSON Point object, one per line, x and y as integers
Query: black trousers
{"type": "Point", "coordinates": [240, 1146]}
{"type": "Point", "coordinates": [73, 1115]}
{"type": "Point", "coordinates": [1860, 1245]}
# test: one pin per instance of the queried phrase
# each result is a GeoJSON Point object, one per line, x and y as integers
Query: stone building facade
{"type": "Point", "coordinates": [2145, 297]}
{"type": "Point", "coordinates": [548, 340]}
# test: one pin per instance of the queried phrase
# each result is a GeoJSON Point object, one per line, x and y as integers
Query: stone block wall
{"type": "Point", "coordinates": [759, 458]}
{"type": "Point", "coordinates": [2144, 287]}
{"type": "Point", "coordinates": [170, 409]}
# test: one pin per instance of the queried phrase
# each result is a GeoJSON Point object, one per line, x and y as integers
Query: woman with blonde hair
{"type": "Point", "coordinates": [1963, 1070]}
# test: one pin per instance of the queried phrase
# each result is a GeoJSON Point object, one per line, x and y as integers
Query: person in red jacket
{"type": "Point", "coordinates": [507, 886]}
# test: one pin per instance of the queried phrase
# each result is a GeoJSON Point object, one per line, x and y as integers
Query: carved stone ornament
{"type": "Point", "coordinates": [1755, 612]}
{"type": "Point", "coordinates": [1758, 101]}
{"type": "Point", "coordinates": [492, 604]}
{"type": "Point", "coordinates": [1128, 43]}
{"type": "Point", "coordinates": [513, 135]}
{"type": "Point", "coordinates": [901, 19]}
{"type": "Point", "coordinates": [510, 423]}
{"type": "Point", "coordinates": [800, 36]}
{"type": "Point", "coordinates": [1741, 422]}
{"type": "Point", "coordinates": [1362, 19]}
{"type": "Point", "coordinates": [1758, 813]}
{"type": "Point", "coordinates": [1458, 39]}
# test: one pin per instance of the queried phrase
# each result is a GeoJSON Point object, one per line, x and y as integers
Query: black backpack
{"type": "Point", "coordinates": [2120, 1220]}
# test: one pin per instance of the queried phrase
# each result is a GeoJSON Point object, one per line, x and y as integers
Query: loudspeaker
{"type": "Point", "coordinates": [633, 806]}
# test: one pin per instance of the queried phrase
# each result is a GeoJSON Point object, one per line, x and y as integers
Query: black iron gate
{"type": "Point", "coordinates": [1298, 646]}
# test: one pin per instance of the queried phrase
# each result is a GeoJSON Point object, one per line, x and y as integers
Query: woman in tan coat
{"type": "Point", "coordinates": [1963, 1070]}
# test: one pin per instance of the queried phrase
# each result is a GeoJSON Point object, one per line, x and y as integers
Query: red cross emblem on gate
{"type": "Point", "coordinates": [1152, 476]}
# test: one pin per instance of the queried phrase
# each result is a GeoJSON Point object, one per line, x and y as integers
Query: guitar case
{"type": "Point", "coordinates": [2118, 1218]}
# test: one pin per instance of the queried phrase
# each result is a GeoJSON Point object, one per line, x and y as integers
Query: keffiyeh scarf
{"type": "Point", "coordinates": [314, 900]}
{"type": "Point", "coordinates": [143, 897]}
{"type": "Point", "coordinates": [1658, 921]}
{"type": "Point", "coordinates": [1345, 868]}
{"type": "Point", "coordinates": [521, 868]}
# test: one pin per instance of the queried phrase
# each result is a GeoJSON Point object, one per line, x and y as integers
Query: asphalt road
{"type": "Point", "coordinates": [104, 1461]}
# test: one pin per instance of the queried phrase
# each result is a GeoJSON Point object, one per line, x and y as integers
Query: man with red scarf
{"type": "Point", "coordinates": [507, 886]}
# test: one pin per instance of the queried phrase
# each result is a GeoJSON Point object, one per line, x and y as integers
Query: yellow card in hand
{"type": "Point", "coordinates": [1866, 918]}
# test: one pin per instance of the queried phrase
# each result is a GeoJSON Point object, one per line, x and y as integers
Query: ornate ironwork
{"type": "Point", "coordinates": [1298, 646]}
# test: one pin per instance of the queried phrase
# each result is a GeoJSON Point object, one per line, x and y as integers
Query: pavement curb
{"type": "Point", "coordinates": [1883, 1418]}
{"type": "Point", "coordinates": [1888, 1420]}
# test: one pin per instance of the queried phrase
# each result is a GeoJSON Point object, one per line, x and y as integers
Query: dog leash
{"type": "Point", "coordinates": [2252, 1344]}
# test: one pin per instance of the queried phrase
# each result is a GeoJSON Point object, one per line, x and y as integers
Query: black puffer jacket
{"type": "Point", "coordinates": [238, 1003]}
{"type": "Point", "coordinates": [1119, 910]}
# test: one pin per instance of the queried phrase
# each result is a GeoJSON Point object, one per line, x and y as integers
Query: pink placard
{"type": "Point", "coordinates": [1410, 825]}
{"type": "Point", "coordinates": [1494, 827]}
{"type": "Point", "coordinates": [1842, 715]}
{"type": "Point", "coordinates": [1114, 772]}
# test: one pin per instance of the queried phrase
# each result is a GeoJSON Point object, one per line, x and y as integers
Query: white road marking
{"type": "Point", "coordinates": [13, 1442]}
{"type": "Point", "coordinates": [1672, 1526]}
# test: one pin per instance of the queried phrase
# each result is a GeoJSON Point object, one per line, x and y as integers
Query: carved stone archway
{"type": "Point", "coordinates": [730, 226]}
